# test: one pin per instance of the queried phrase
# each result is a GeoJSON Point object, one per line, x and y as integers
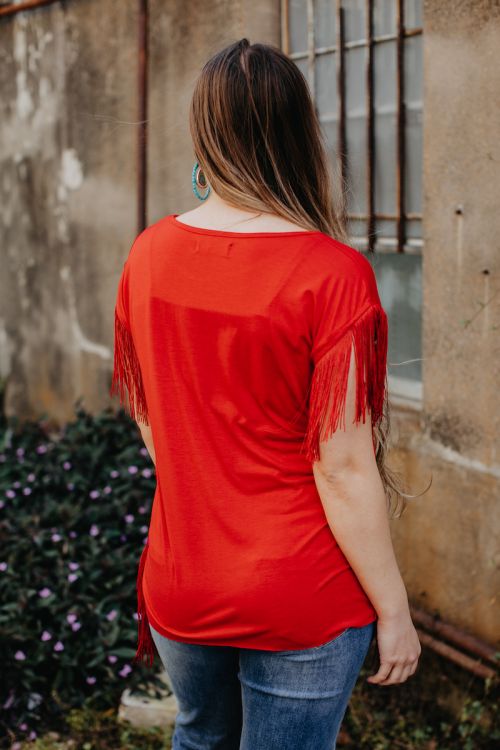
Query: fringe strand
{"type": "Point", "coordinates": [145, 645]}
{"type": "Point", "coordinates": [369, 333]}
{"type": "Point", "coordinates": [127, 373]}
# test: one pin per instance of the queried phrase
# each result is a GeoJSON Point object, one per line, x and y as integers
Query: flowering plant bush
{"type": "Point", "coordinates": [74, 514]}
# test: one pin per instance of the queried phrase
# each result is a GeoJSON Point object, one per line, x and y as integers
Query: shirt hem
{"type": "Point", "coordinates": [234, 642]}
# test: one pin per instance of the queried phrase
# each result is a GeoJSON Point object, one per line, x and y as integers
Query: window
{"type": "Point", "coordinates": [363, 62]}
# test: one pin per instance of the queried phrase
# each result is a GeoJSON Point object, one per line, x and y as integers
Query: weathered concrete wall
{"type": "Point", "coordinates": [462, 227]}
{"type": "Point", "coordinates": [67, 201]}
{"type": "Point", "coordinates": [68, 159]}
{"type": "Point", "coordinates": [447, 540]}
{"type": "Point", "coordinates": [447, 543]}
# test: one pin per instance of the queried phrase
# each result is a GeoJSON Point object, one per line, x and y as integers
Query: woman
{"type": "Point", "coordinates": [251, 343]}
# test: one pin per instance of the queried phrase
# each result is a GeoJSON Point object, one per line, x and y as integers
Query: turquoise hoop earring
{"type": "Point", "coordinates": [198, 181]}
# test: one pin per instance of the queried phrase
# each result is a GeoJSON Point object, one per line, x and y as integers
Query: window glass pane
{"type": "Point", "coordinates": [414, 230]}
{"type": "Point", "coordinates": [355, 60]}
{"type": "Point", "coordinates": [355, 19]}
{"type": "Point", "coordinates": [330, 133]}
{"type": "Point", "coordinates": [386, 232]}
{"type": "Point", "coordinates": [384, 17]}
{"type": "Point", "coordinates": [303, 67]}
{"type": "Point", "coordinates": [297, 22]}
{"type": "Point", "coordinates": [413, 13]}
{"type": "Point", "coordinates": [385, 127]}
{"type": "Point", "coordinates": [357, 230]}
{"type": "Point", "coordinates": [399, 281]}
{"type": "Point", "coordinates": [326, 85]}
{"type": "Point", "coordinates": [413, 100]}
{"type": "Point", "coordinates": [325, 27]}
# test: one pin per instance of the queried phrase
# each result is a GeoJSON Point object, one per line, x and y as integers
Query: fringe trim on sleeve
{"type": "Point", "coordinates": [369, 333]}
{"type": "Point", "coordinates": [127, 373]}
{"type": "Point", "coordinates": [145, 645]}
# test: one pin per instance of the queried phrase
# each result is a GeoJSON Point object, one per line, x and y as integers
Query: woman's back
{"type": "Point", "coordinates": [228, 329]}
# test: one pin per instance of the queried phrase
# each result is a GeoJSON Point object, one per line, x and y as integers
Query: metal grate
{"type": "Point", "coordinates": [339, 46]}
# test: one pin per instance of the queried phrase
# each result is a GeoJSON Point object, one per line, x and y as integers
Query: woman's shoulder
{"type": "Point", "coordinates": [329, 258]}
{"type": "Point", "coordinates": [142, 241]}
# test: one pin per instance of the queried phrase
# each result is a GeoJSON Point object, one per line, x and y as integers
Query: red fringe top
{"type": "Point", "coordinates": [235, 348]}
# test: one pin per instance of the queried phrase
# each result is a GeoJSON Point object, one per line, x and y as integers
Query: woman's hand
{"type": "Point", "coordinates": [399, 650]}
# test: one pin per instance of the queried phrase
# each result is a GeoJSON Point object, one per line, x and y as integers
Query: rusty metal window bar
{"type": "Point", "coordinates": [363, 63]}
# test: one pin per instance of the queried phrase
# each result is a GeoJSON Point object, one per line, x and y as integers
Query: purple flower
{"type": "Point", "coordinates": [73, 565]}
{"type": "Point", "coordinates": [10, 494]}
{"type": "Point", "coordinates": [71, 617]}
{"type": "Point", "coordinates": [58, 646]}
{"type": "Point", "coordinates": [27, 491]}
{"type": "Point", "coordinates": [73, 534]}
{"type": "Point", "coordinates": [123, 537]}
{"type": "Point", "coordinates": [44, 593]}
{"type": "Point", "coordinates": [94, 494]}
{"type": "Point", "coordinates": [16, 485]}
{"type": "Point", "coordinates": [143, 451]}
{"type": "Point", "coordinates": [112, 659]}
{"type": "Point", "coordinates": [32, 735]}
{"type": "Point", "coordinates": [41, 449]}
{"type": "Point", "coordinates": [142, 510]}
{"type": "Point", "coordinates": [20, 655]}
{"type": "Point", "coordinates": [10, 700]}
{"type": "Point", "coordinates": [70, 486]}
{"type": "Point", "coordinates": [23, 727]}
{"type": "Point", "coordinates": [107, 490]}
{"type": "Point", "coordinates": [145, 540]}
{"type": "Point", "coordinates": [56, 537]}
{"type": "Point", "coordinates": [133, 469]}
{"type": "Point", "coordinates": [135, 616]}
{"type": "Point", "coordinates": [143, 529]}
{"type": "Point", "coordinates": [112, 615]}
{"type": "Point", "coordinates": [46, 636]}
{"type": "Point", "coordinates": [31, 477]}
{"type": "Point", "coordinates": [125, 670]}
{"type": "Point", "coordinates": [94, 530]}
{"type": "Point", "coordinates": [76, 626]}
{"type": "Point", "coordinates": [3, 566]}
{"type": "Point", "coordinates": [129, 518]}
{"type": "Point", "coordinates": [72, 577]}
{"type": "Point", "coordinates": [146, 473]}
{"type": "Point", "coordinates": [67, 465]}
{"type": "Point", "coordinates": [20, 452]}
{"type": "Point", "coordinates": [114, 474]}
{"type": "Point", "coordinates": [91, 680]}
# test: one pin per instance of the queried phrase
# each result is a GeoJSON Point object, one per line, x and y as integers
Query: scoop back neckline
{"type": "Point", "coordinates": [224, 233]}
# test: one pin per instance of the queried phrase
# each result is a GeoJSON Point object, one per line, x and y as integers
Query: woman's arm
{"type": "Point", "coordinates": [147, 436]}
{"type": "Point", "coordinates": [353, 497]}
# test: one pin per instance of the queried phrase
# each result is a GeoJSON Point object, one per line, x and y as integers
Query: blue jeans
{"type": "Point", "coordinates": [234, 698]}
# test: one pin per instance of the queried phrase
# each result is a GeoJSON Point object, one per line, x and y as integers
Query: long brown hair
{"type": "Point", "coordinates": [259, 143]}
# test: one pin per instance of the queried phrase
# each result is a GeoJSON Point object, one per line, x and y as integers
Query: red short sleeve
{"type": "Point", "coordinates": [347, 313]}
{"type": "Point", "coordinates": [127, 379]}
